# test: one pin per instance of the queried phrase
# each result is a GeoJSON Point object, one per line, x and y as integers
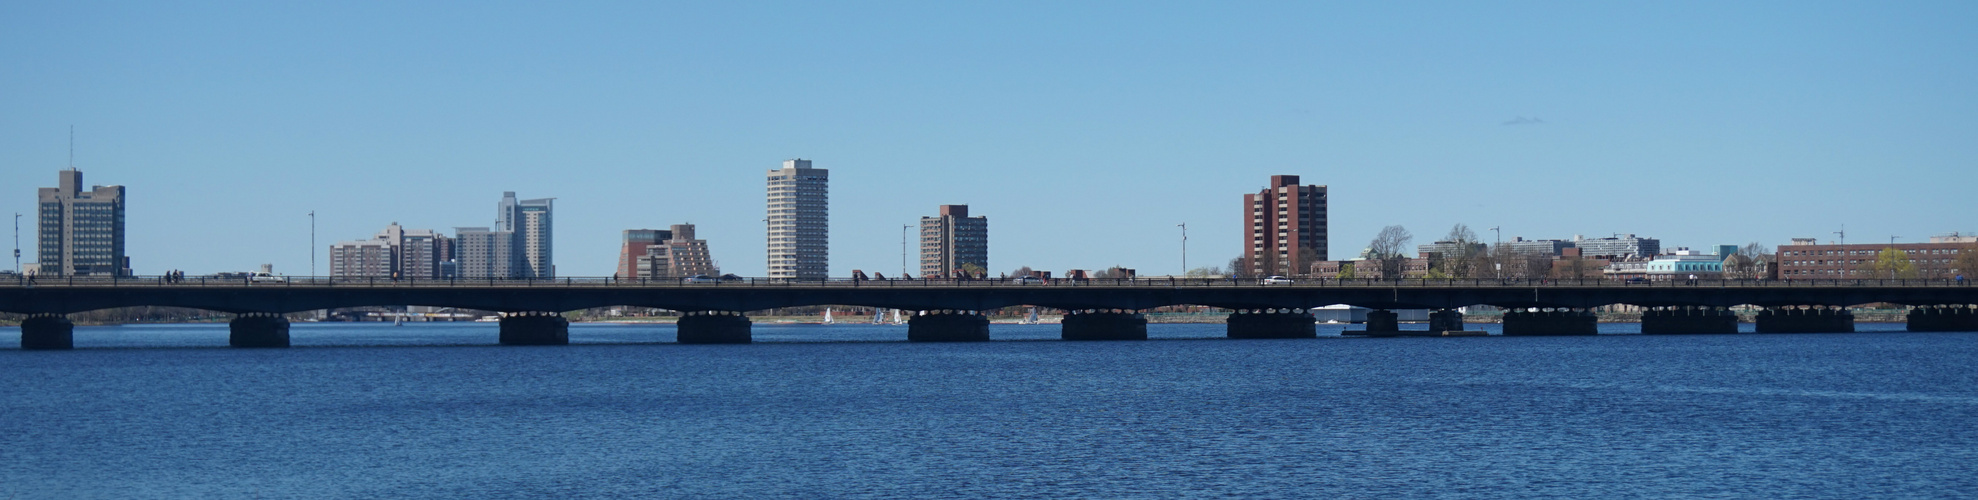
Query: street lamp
{"type": "Point", "coordinates": [903, 248]}
{"type": "Point", "coordinates": [17, 243]}
{"type": "Point", "coordinates": [1184, 248]}
{"type": "Point", "coordinates": [312, 243]}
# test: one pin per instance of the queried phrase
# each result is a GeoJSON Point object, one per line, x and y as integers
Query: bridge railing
{"type": "Point", "coordinates": [1157, 282]}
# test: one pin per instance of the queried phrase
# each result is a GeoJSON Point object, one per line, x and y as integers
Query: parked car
{"type": "Point", "coordinates": [700, 278]}
{"type": "Point", "coordinates": [1276, 280]}
{"type": "Point", "coordinates": [1027, 280]}
{"type": "Point", "coordinates": [267, 278]}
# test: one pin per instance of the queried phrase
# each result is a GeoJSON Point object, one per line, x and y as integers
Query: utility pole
{"type": "Point", "coordinates": [903, 248]}
{"type": "Point", "coordinates": [1184, 248]}
{"type": "Point", "coordinates": [1843, 234]}
{"type": "Point", "coordinates": [17, 243]}
{"type": "Point", "coordinates": [1892, 240]}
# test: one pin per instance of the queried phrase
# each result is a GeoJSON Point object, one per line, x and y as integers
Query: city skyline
{"type": "Point", "coordinates": [1697, 124]}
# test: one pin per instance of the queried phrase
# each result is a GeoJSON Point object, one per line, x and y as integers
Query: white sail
{"type": "Point", "coordinates": [827, 315]}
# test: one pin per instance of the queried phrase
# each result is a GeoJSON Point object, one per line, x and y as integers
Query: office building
{"type": "Point", "coordinates": [81, 233]}
{"type": "Point", "coordinates": [1287, 227]}
{"type": "Point", "coordinates": [1520, 245]}
{"type": "Point", "coordinates": [634, 247]}
{"type": "Point", "coordinates": [1622, 246]}
{"type": "Point", "coordinates": [680, 255]}
{"type": "Point", "coordinates": [953, 240]}
{"type": "Point", "coordinates": [799, 221]}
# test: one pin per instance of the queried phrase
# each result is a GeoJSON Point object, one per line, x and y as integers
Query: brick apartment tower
{"type": "Point", "coordinates": [952, 240]}
{"type": "Point", "coordinates": [1285, 219]}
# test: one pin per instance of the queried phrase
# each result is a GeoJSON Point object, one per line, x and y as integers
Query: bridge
{"type": "Point", "coordinates": [950, 310]}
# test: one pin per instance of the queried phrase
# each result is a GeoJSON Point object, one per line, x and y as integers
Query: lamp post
{"type": "Point", "coordinates": [17, 243]}
{"type": "Point", "coordinates": [903, 248]}
{"type": "Point", "coordinates": [1496, 268]}
{"type": "Point", "coordinates": [312, 243]}
{"type": "Point", "coordinates": [1184, 248]}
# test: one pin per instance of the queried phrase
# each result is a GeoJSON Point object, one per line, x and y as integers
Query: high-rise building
{"type": "Point", "coordinates": [82, 232]}
{"type": "Point", "coordinates": [953, 240]}
{"type": "Point", "coordinates": [1287, 227]}
{"type": "Point", "coordinates": [519, 246]}
{"type": "Point", "coordinates": [530, 222]}
{"type": "Point", "coordinates": [484, 253]}
{"type": "Point", "coordinates": [679, 256]}
{"type": "Point", "coordinates": [799, 221]}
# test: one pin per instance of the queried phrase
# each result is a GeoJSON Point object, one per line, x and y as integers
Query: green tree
{"type": "Point", "coordinates": [1894, 264]}
{"type": "Point", "coordinates": [1346, 270]}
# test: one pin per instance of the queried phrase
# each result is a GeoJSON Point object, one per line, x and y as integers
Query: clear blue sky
{"type": "Point", "coordinates": [1084, 130]}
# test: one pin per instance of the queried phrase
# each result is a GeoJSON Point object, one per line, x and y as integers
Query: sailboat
{"type": "Point", "coordinates": [878, 316]}
{"type": "Point", "coordinates": [896, 317]}
{"type": "Point", "coordinates": [827, 315]}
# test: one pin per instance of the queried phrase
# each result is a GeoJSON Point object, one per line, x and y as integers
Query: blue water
{"type": "Point", "coordinates": [437, 411]}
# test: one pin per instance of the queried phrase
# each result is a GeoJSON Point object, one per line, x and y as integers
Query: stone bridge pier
{"type": "Point", "coordinates": [1381, 321]}
{"type": "Point", "coordinates": [1943, 318]}
{"type": "Point", "coordinates": [714, 327]}
{"type": "Point", "coordinates": [1104, 325]}
{"type": "Point", "coordinates": [948, 326]}
{"type": "Point", "coordinates": [47, 331]}
{"type": "Point", "coordinates": [1272, 324]}
{"type": "Point", "coordinates": [534, 328]}
{"type": "Point", "coordinates": [1819, 319]}
{"type": "Point", "coordinates": [1555, 322]}
{"type": "Point", "coordinates": [1446, 320]}
{"type": "Point", "coordinates": [258, 330]}
{"type": "Point", "coordinates": [1666, 320]}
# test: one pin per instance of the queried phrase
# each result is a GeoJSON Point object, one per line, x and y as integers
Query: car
{"type": "Point", "coordinates": [267, 278]}
{"type": "Point", "coordinates": [700, 278]}
{"type": "Point", "coordinates": [1637, 280]}
{"type": "Point", "coordinates": [1027, 280]}
{"type": "Point", "coordinates": [1276, 280]}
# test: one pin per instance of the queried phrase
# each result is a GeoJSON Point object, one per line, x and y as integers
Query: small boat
{"type": "Point", "coordinates": [1032, 318]}
{"type": "Point", "coordinates": [827, 315]}
{"type": "Point", "coordinates": [398, 321]}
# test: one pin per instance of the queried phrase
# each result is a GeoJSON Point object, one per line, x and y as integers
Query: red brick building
{"type": "Point", "coordinates": [1806, 260]}
{"type": "Point", "coordinates": [1287, 227]}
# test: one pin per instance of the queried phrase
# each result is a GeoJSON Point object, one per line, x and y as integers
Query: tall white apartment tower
{"type": "Point", "coordinates": [799, 221]}
{"type": "Point", "coordinates": [529, 224]}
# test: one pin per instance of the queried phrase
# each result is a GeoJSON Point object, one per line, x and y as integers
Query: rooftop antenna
{"type": "Point", "coordinates": [1843, 234]}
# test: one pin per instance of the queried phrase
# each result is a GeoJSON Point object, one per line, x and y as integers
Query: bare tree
{"type": "Point", "coordinates": [1020, 272]}
{"type": "Point", "coordinates": [1389, 249]}
{"type": "Point", "coordinates": [1534, 264]}
{"type": "Point", "coordinates": [1966, 263]}
{"type": "Point", "coordinates": [1461, 262]}
{"type": "Point", "coordinates": [1205, 272]}
{"type": "Point", "coordinates": [1744, 263]}
{"type": "Point", "coordinates": [1305, 261]}
{"type": "Point", "coordinates": [1239, 267]}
